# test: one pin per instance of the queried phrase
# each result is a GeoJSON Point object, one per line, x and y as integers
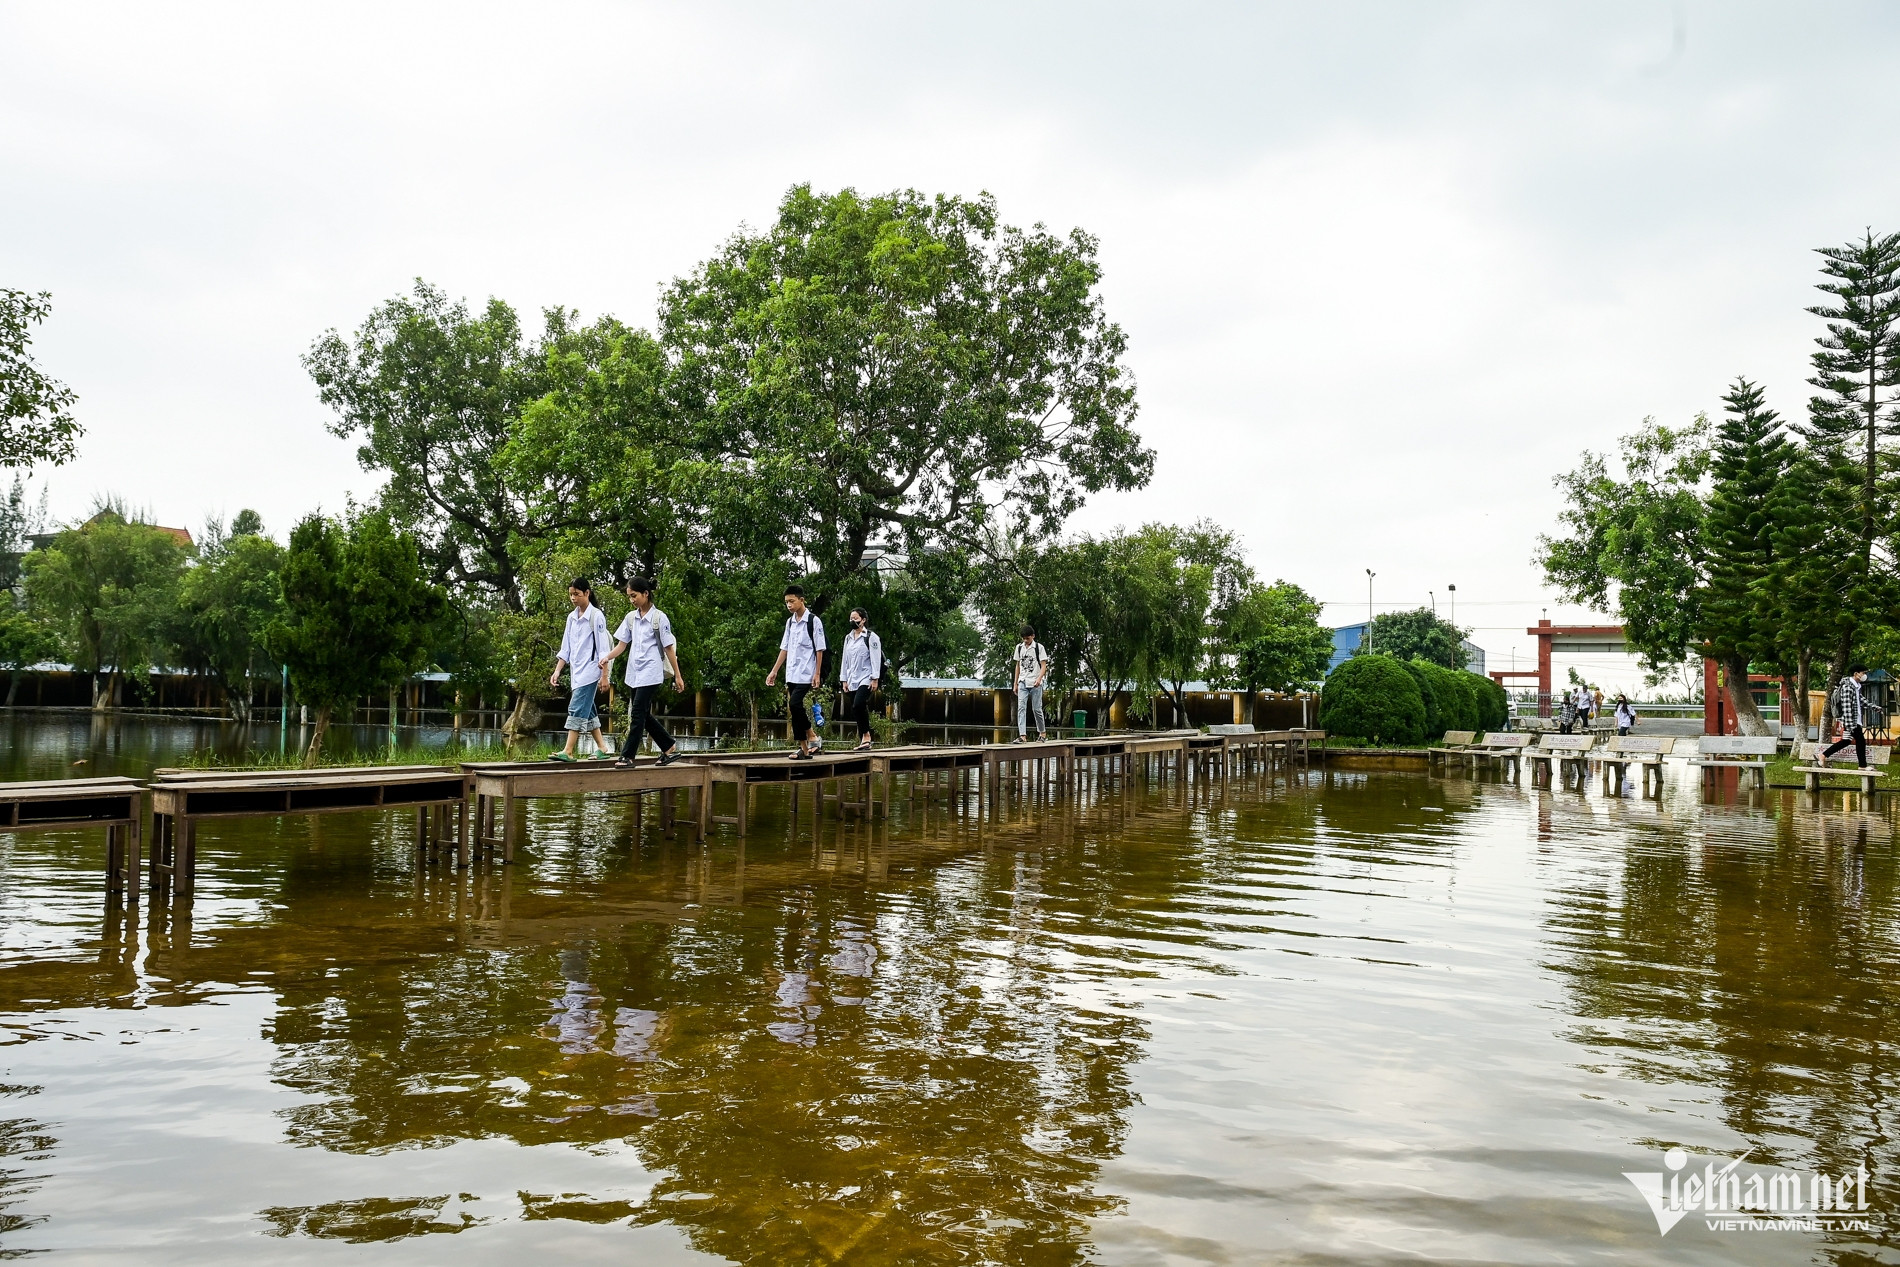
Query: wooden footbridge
{"type": "Point", "coordinates": [970, 779]}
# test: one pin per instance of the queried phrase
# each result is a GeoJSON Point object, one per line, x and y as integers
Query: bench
{"type": "Point", "coordinates": [1557, 753]}
{"type": "Point", "coordinates": [1878, 755]}
{"type": "Point", "coordinates": [1454, 741]}
{"type": "Point", "coordinates": [1625, 751]}
{"type": "Point", "coordinates": [1507, 748]}
{"type": "Point", "coordinates": [1736, 752]}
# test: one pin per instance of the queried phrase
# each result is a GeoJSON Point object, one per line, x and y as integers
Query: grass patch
{"type": "Point", "coordinates": [342, 759]}
{"type": "Point", "coordinates": [1781, 774]}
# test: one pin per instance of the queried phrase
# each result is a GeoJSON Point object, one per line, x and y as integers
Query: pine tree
{"type": "Point", "coordinates": [1856, 369]}
{"type": "Point", "coordinates": [1750, 457]}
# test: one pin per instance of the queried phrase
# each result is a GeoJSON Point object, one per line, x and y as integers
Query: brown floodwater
{"type": "Point", "coordinates": [1357, 1018]}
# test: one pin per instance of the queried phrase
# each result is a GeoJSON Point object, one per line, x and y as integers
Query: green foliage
{"type": "Point", "coordinates": [36, 412]}
{"type": "Point", "coordinates": [111, 588]}
{"type": "Point", "coordinates": [897, 371]}
{"type": "Point", "coordinates": [1418, 634]}
{"type": "Point", "coordinates": [225, 606]}
{"type": "Point", "coordinates": [25, 640]}
{"type": "Point", "coordinates": [602, 455]}
{"type": "Point", "coordinates": [1494, 706]}
{"type": "Point", "coordinates": [1273, 642]}
{"type": "Point", "coordinates": [1373, 697]}
{"type": "Point", "coordinates": [1632, 539]}
{"type": "Point", "coordinates": [1749, 461]}
{"type": "Point", "coordinates": [1428, 683]}
{"type": "Point", "coordinates": [357, 612]}
{"type": "Point", "coordinates": [434, 391]}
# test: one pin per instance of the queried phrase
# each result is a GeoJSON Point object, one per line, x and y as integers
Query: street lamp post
{"type": "Point", "coordinates": [1367, 640]}
{"type": "Point", "coordinates": [1453, 591]}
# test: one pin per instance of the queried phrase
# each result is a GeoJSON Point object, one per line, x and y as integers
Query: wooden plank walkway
{"type": "Point", "coordinates": [497, 785]}
{"type": "Point", "coordinates": [70, 804]}
{"type": "Point", "coordinates": [747, 771]}
{"type": "Point", "coordinates": [180, 799]}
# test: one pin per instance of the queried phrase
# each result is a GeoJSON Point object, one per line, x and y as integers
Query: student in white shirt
{"type": "Point", "coordinates": [801, 653]}
{"type": "Point", "coordinates": [1625, 714]}
{"type": "Point", "coordinates": [648, 635]}
{"type": "Point", "coordinates": [582, 644]}
{"type": "Point", "coordinates": [860, 661]}
{"type": "Point", "coordinates": [1032, 669]}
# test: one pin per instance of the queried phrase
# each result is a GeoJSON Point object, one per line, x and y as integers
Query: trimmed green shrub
{"type": "Point", "coordinates": [1428, 684]}
{"type": "Point", "coordinates": [1494, 708]}
{"type": "Point", "coordinates": [1457, 708]}
{"type": "Point", "coordinates": [1372, 697]}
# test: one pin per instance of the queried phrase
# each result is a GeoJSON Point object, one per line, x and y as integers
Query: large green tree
{"type": "Point", "coordinates": [25, 640]}
{"type": "Point", "coordinates": [1274, 642]}
{"type": "Point", "coordinates": [358, 613]}
{"type": "Point", "coordinates": [1748, 462]}
{"type": "Point", "coordinates": [900, 374]}
{"type": "Point", "coordinates": [226, 605]}
{"type": "Point", "coordinates": [1852, 420]}
{"type": "Point", "coordinates": [435, 392]}
{"type": "Point", "coordinates": [36, 412]}
{"type": "Point", "coordinates": [1632, 538]}
{"type": "Point", "coordinates": [110, 587]}
{"type": "Point", "coordinates": [1419, 634]}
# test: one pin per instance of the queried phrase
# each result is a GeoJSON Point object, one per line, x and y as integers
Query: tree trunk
{"type": "Point", "coordinates": [1748, 718]}
{"type": "Point", "coordinates": [455, 725]}
{"type": "Point", "coordinates": [1803, 679]}
{"type": "Point", "coordinates": [316, 737]}
{"type": "Point", "coordinates": [1836, 670]}
{"type": "Point", "coordinates": [524, 720]}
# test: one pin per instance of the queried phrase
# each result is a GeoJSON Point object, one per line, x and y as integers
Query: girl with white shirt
{"type": "Point", "coordinates": [859, 663]}
{"type": "Point", "coordinates": [583, 643]}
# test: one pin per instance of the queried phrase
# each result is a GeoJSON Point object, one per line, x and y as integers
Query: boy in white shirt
{"type": "Point", "coordinates": [801, 653]}
{"type": "Point", "coordinates": [582, 643]}
{"type": "Point", "coordinates": [648, 634]}
{"type": "Point", "coordinates": [1032, 668]}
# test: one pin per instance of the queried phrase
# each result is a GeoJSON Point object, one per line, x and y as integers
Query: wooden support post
{"type": "Point", "coordinates": [508, 825]}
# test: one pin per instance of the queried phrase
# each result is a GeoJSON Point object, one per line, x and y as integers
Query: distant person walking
{"type": "Point", "coordinates": [860, 662]}
{"type": "Point", "coordinates": [1032, 669]}
{"type": "Point", "coordinates": [1567, 713]}
{"type": "Point", "coordinates": [1584, 711]}
{"type": "Point", "coordinates": [583, 643]}
{"type": "Point", "coordinates": [1847, 703]}
{"type": "Point", "coordinates": [1596, 702]}
{"type": "Point", "coordinates": [801, 653]}
{"type": "Point", "coordinates": [1625, 714]}
{"type": "Point", "coordinates": [647, 635]}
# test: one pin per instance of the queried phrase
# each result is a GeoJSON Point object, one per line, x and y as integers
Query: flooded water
{"type": "Point", "coordinates": [1333, 1019]}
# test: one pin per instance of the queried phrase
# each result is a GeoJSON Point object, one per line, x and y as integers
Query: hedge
{"type": "Point", "coordinates": [1494, 708]}
{"type": "Point", "coordinates": [1373, 697]}
{"type": "Point", "coordinates": [1457, 700]}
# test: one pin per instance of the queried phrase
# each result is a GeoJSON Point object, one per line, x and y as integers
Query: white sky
{"type": "Point", "coordinates": [1385, 268]}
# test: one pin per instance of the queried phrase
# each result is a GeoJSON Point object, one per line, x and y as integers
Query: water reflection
{"type": "Point", "coordinates": [1751, 959]}
{"type": "Point", "coordinates": [1193, 1022]}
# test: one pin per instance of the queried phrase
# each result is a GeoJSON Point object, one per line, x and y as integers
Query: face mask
{"type": "Point", "coordinates": [856, 623]}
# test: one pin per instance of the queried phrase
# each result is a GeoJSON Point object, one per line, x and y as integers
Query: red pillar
{"type": "Point", "coordinates": [1543, 670]}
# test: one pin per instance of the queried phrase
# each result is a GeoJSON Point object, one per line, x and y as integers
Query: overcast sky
{"type": "Point", "coordinates": [1385, 269]}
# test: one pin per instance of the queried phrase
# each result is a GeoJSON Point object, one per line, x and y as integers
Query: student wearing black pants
{"type": "Point", "coordinates": [648, 635]}
{"type": "Point", "coordinates": [1849, 706]}
{"type": "Point", "coordinates": [859, 663]}
{"type": "Point", "coordinates": [801, 653]}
